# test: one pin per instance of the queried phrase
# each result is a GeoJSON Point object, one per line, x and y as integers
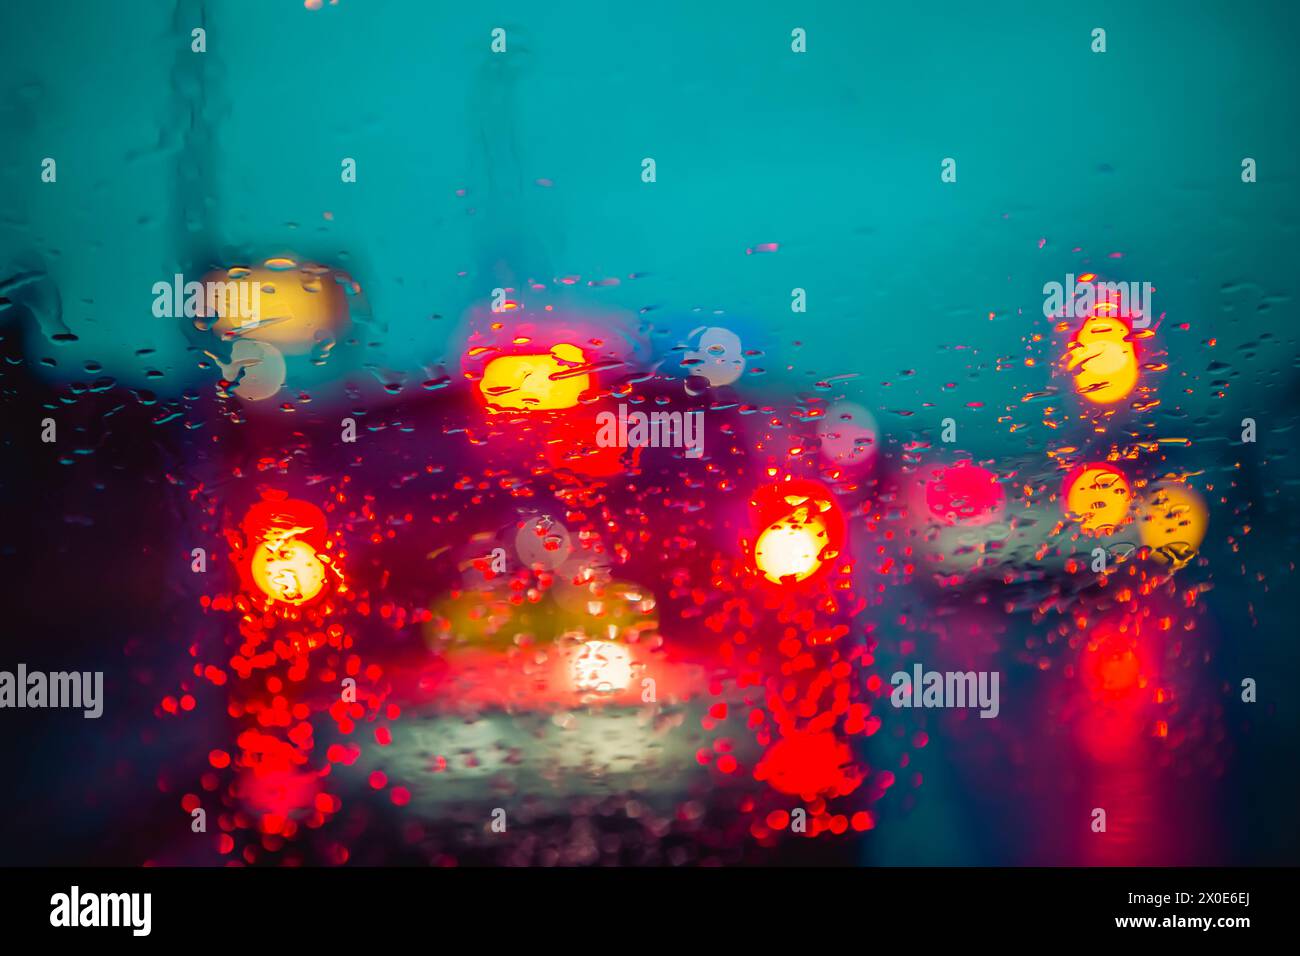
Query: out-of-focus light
{"type": "Point", "coordinates": [717, 356]}
{"type": "Point", "coordinates": [849, 435]}
{"type": "Point", "coordinates": [570, 444]}
{"type": "Point", "coordinates": [1110, 666]}
{"type": "Point", "coordinates": [1103, 360]}
{"type": "Point", "coordinates": [810, 765]}
{"type": "Point", "coordinates": [791, 548]}
{"type": "Point", "coordinates": [601, 667]}
{"type": "Point", "coordinates": [287, 569]}
{"type": "Point", "coordinates": [962, 493]}
{"type": "Point", "coordinates": [542, 543]}
{"type": "Point", "coordinates": [294, 307]}
{"type": "Point", "coordinates": [276, 792]}
{"type": "Point", "coordinates": [257, 370]}
{"type": "Point", "coordinates": [1098, 496]}
{"type": "Point", "coordinates": [1172, 519]}
{"type": "Point", "coordinates": [283, 556]}
{"type": "Point", "coordinates": [801, 528]}
{"type": "Point", "coordinates": [1115, 671]}
{"type": "Point", "coordinates": [536, 382]}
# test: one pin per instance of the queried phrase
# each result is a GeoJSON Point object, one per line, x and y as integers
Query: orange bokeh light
{"type": "Point", "coordinates": [1098, 496]}
{"type": "Point", "coordinates": [1103, 359]}
{"type": "Point", "coordinates": [536, 382]}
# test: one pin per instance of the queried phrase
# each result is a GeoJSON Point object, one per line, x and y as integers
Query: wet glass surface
{"type": "Point", "coordinates": [384, 558]}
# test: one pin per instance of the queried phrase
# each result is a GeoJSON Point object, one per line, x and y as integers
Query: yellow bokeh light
{"type": "Point", "coordinates": [1098, 497]}
{"type": "Point", "coordinates": [1172, 519]}
{"type": "Point", "coordinates": [293, 308]}
{"type": "Point", "coordinates": [1103, 360]}
{"type": "Point", "coordinates": [536, 382]}
{"type": "Point", "coordinates": [287, 569]}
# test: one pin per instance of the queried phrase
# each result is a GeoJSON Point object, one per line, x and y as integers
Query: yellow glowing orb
{"type": "Point", "coordinates": [1103, 361]}
{"type": "Point", "coordinates": [791, 548]}
{"type": "Point", "coordinates": [601, 667]}
{"type": "Point", "coordinates": [1098, 497]}
{"type": "Point", "coordinates": [1172, 519]}
{"type": "Point", "coordinates": [296, 308]}
{"type": "Point", "coordinates": [536, 382]}
{"type": "Point", "coordinates": [288, 570]}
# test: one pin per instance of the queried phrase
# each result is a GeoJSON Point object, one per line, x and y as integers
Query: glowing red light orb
{"type": "Point", "coordinates": [284, 544]}
{"type": "Point", "coordinates": [570, 443]}
{"type": "Point", "coordinates": [1110, 666]}
{"type": "Point", "coordinates": [963, 493]}
{"type": "Point", "coordinates": [796, 528]}
{"type": "Point", "coordinates": [809, 765]}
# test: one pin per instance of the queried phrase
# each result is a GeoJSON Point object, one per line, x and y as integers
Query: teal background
{"type": "Point", "coordinates": [167, 157]}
